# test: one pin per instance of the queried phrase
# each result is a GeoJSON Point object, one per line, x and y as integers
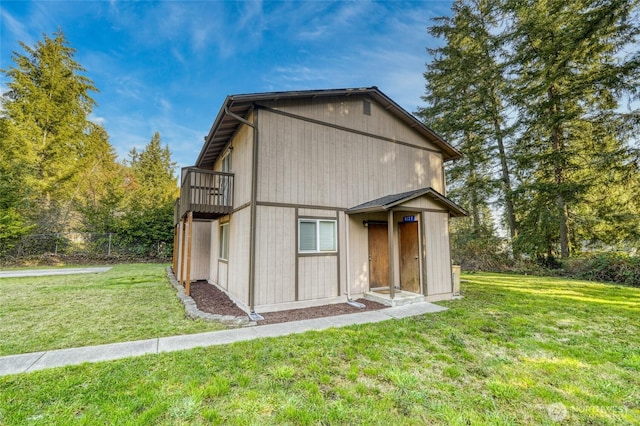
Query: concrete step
{"type": "Point", "coordinates": [400, 298]}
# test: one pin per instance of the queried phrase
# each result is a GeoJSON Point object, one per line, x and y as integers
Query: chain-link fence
{"type": "Point", "coordinates": [88, 244]}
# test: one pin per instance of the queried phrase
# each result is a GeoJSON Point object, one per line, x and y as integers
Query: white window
{"type": "Point", "coordinates": [317, 236]}
{"type": "Point", "coordinates": [224, 241]}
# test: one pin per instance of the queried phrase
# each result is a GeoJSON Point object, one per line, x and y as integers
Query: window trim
{"type": "Point", "coordinates": [224, 242]}
{"type": "Point", "coordinates": [317, 226]}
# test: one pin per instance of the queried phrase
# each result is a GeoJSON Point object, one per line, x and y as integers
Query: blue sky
{"type": "Point", "coordinates": [167, 66]}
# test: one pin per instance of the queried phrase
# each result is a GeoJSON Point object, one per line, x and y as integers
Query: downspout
{"type": "Point", "coordinates": [252, 226]}
{"type": "Point", "coordinates": [346, 231]}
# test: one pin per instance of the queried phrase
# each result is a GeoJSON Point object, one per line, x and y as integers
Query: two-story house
{"type": "Point", "coordinates": [307, 198]}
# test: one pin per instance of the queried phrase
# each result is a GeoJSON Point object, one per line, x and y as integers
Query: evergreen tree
{"type": "Point", "coordinates": [452, 111]}
{"type": "Point", "coordinates": [570, 69]}
{"type": "Point", "coordinates": [45, 124]}
{"type": "Point", "coordinates": [567, 173]}
{"type": "Point", "coordinates": [154, 176]}
{"type": "Point", "coordinates": [464, 95]}
{"type": "Point", "coordinates": [150, 194]}
{"type": "Point", "coordinates": [101, 192]}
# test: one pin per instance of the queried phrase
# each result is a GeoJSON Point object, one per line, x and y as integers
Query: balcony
{"type": "Point", "coordinates": [208, 194]}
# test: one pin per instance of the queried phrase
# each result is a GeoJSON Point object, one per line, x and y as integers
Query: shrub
{"type": "Point", "coordinates": [613, 267]}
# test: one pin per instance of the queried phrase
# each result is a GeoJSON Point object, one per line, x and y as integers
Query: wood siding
{"type": "Point", "coordinates": [359, 251]}
{"type": "Point", "coordinates": [238, 264]}
{"type": "Point", "coordinates": [241, 153]}
{"type": "Point", "coordinates": [317, 277]}
{"type": "Point", "coordinates": [215, 249]}
{"type": "Point", "coordinates": [423, 203]}
{"type": "Point", "coordinates": [348, 112]}
{"type": "Point", "coordinates": [438, 258]}
{"type": "Point", "coordinates": [331, 214]}
{"type": "Point", "coordinates": [275, 255]}
{"type": "Point", "coordinates": [200, 250]}
{"type": "Point", "coordinates": [310, 164]}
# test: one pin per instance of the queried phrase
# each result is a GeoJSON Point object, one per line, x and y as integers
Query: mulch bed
{"type": "Point", "coordinates": [210, 299]}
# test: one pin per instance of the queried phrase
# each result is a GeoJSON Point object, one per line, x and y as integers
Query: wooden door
{"type": "Point", "coordinates": [409, 257]}
{"type": "Point", "coordinates": [378, 255]}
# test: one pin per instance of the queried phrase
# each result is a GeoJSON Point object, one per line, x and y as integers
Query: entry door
{"type": "Point", "coordinates": [378, 255]}
{"type": "Point", "coordinates": [409, 257]}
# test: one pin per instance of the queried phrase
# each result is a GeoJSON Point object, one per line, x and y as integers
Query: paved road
{"type": "Point", "coordinates": [45, 272]}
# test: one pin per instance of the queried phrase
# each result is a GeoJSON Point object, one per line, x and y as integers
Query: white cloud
{"type": "Point", "coordinates": [15, 27]}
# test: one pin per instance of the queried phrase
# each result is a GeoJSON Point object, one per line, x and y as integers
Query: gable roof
{"type": "Point", "coordinates": [389, 201]}
{"type": "Point", "coordinates": [239, 106]}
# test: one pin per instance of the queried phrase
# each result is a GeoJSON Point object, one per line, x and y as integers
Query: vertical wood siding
{"type": "Point", "coordinates": [238, 270]}
{"type": "Point", "coordinates": [215, 247]}
{"type": "Point", "coordinates": [200, 252]}
{"type": "Point", "coordinates": [348, 112]}
{"type": "Point", "coordinates": [317, 213]}
{"type": "Point", "coordinates": [317, 277]}
{"type": "Point", "coordinates": [240, 165]}
{"type": "Point", "coordinates": [438, 258]}
{"type": "Point", "coordinates": [310, 164]}
{"type": "Point", "coordinates": [275, 255]}
{"type": "Point", "coordinates": [359, 250]}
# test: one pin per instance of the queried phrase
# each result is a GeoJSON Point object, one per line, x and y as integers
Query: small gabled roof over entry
{"type": "Point", "coordinates": [389, 202]}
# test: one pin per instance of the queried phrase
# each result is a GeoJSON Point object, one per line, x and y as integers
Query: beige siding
{"type": "Point", "coordinates": [310, 164]}
{"type": "Point", "coordinates": [238, 265]}
{"type": "Point", "coordinates": [215, 247]}
{"type": "Point", "coordinates": [275, 255]}
{"type": "Point", "coordinates": [358, 255]}
{"type": "Point", "coordinates": [348, 112]}
{"type": "Point", "coordinates": [342, 252]}
{"type": "Point", "coordinates": [359, 250]}
{"type": "Point", "coordinates": [423, 203]}
{"type": "Point", "coordinates": [317, 277]}
{"type": "Point", "coordinates": [200, 252]}
{"type": "Point", "coordinates": [242, 149]}
{"type": "Point", "coordinates": [438, 259]}
{"type": "Point", "coordinates": [200, 244]}
{"type": "Point", "coordinates": [317, 213]}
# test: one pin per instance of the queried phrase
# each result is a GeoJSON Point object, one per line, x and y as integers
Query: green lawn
{"type": "Point", "coordinates": [515, 350]}
{"type": "Point", "coordinates": [129, 302]}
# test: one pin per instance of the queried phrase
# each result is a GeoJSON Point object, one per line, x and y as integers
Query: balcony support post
{"type": "Point", "coordinates": [176, 243]}
{"type": "Point", "coordinates": [187, 285]}
{"type": "Point", "coordinates": [182, 238]}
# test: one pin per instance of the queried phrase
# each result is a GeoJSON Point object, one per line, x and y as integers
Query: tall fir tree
{"type": "Point", "coordinates": [45, 124]}
{"type": "Point", "coordinates": [569, 69]}
{"type": "Point", "coordinates": [556, 72]}
{"type": "Point", "coordinates": [151, 191]}
{"type": "Point", "coordinates": [464, 96]}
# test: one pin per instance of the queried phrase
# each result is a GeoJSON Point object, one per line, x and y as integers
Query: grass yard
{"type": "Point", "coordinates": [515, 350]}
{"type": "Point", "coordinates": [129, 302]}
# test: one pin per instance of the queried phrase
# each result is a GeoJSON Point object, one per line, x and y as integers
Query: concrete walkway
{"type": "Point", "coordinates": [45, 272]}
{"type": "Point", "coordinates": [14, 364]}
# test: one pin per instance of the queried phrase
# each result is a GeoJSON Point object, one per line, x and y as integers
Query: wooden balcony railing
{"type": "Point", "coordinates": [206, 193]}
